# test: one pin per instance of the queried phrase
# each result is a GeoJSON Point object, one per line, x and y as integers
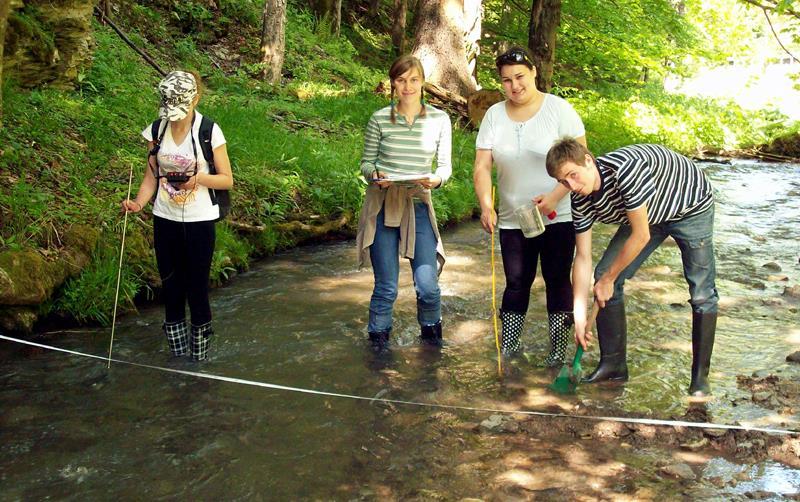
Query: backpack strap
{"type": "Point", "coordinates": [157, 133]}
{"type": "Point", "coordinates": [206, 128]}
{"type": "Point", "coordinates": [222, 198]}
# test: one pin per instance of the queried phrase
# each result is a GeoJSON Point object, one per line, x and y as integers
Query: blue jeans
{"type": "Point", "coordinates": [694, 237]}
{"type": "Point", "coordinates": [384, 253]}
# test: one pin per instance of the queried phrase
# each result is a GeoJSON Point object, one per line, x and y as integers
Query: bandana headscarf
{"type": "Point", "coordinates": [177, 89]}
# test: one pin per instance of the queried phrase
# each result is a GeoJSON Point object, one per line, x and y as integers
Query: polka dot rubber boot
{"type": "Point", "coordinates": [512, 324]}
{"type": "Point", "coordinates": [560, 331]}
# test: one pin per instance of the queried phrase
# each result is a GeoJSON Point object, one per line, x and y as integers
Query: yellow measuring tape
{"type": "Point", "coordinates": [494, 305]}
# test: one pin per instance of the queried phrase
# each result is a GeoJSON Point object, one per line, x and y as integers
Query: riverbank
{"type": "Point", "coordinates": [66, 157]}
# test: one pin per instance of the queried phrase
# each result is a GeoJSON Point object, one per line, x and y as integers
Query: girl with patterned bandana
{"type": "Point", "coordinates": [397, 217]}
{"type": "Point", "coordinates": [184, 213]}
{"type": "Point", "coordinates": [515, 135]}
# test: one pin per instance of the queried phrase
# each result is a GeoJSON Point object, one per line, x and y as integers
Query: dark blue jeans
{"type": "Point", "coordinates": [694, 236]}
{"type": "Point", "coordinates": [384, 253]}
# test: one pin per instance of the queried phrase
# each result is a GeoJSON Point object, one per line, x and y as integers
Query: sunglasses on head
{"type": "Point", "coordinates": [513, 57]}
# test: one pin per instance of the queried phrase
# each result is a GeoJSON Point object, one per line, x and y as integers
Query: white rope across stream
{"type": "Point", "coordinates": [209, 376]}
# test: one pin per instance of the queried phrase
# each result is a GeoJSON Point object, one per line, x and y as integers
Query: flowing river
{"type": "Point", "coordinates": [72, 429]}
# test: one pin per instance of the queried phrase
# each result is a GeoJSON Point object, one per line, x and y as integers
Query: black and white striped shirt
{"type": "Point", "coordinates": [671, 186]}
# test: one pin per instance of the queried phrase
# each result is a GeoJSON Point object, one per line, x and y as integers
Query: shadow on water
{"type": "Point", "coordinates": [72, 429]}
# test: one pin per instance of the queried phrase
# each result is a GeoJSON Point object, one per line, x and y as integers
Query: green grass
{"type": "Point", "coordinates": [90, 296]}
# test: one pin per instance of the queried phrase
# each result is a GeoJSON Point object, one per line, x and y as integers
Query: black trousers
{"type": "Point", "coordinates": [555, 248]}
{"type": "Point", "coordinates": [183, 253]}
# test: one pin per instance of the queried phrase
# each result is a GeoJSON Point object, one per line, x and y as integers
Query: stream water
{"type": "Point", "coordinates": [72, 429]}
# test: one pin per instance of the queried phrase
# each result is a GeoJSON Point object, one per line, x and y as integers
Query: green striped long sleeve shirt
{"type": "Point", "coordinates": [402, 149]}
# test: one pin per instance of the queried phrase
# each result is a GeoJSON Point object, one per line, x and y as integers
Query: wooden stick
{"type": "Point", "coordinates": [119, 267]}
{"type": "Point", "coordinates": [494, 306]}
{"type": "Point", "coordinates": [444, 94]}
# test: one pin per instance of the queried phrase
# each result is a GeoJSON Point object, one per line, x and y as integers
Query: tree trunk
{"type": "Point", "coordinates": [439, 43]}
{"type": "Point", "coordinates": [273, 39]}
{"type": "Point", "coordinates": [473, 13]}
{"type": "Point", "coordinates": [5, 6]}
{"type": "Point", "coordinates": [399, 27]}
{"type": "Point", "coordinates": [337, 17]}
{"type": "Point", "coordinates": [373, 7]}
{"type": "Point", "coordinates": [545, 18]}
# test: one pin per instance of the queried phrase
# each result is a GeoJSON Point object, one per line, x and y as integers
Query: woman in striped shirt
{"type": "Point", "coordinates": [397, 217]}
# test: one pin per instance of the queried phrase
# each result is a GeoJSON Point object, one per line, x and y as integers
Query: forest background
{"type": "Point", "coordinates": [292, 84]}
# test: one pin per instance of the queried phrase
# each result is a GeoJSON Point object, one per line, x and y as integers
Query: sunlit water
{"type": "Point", "coordinates": [71, 429]}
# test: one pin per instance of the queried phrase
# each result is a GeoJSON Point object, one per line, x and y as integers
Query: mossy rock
{"type": "Point", "coordinates": [18, 319]}
{"type": "Point", "coordinates": [48, 41]}
{"type": "Point", "coordinates": [139, 254]}
{"type": "Point", "coordinates": [29, 277]}
{"type": "Point", "coordinates": [80, 242]}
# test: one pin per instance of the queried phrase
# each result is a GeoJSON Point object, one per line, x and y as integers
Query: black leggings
{"type": "Point", "coordinates": [556, 247]}
{"type": "Point", "coordinates": [183, 253]}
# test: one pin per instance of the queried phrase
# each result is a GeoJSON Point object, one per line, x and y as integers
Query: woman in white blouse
{"type": "Point", "coordinates": [515, 135]}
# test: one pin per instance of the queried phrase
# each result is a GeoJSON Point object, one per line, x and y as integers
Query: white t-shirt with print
{"type": "Point", "coordinates": [519, 150]}
{"type": "Point", "coordinates": [184, 205]}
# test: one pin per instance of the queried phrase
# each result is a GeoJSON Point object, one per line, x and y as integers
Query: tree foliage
{"type": "Point", "coordinates": [620, 41]}
{"type": "Point", "coordinates": [783, 7]}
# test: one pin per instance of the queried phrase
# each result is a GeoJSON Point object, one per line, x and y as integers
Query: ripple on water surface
{"type": "Point", "coordinates": [299, 320]}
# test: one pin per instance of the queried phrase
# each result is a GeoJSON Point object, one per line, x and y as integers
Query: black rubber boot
{"type": "Point", "coordinates": [704, 326]}
{"type": "Point", "coordinates": [380, 341]}
{"type": "Point", "coordinates": [560, 324]}
{"type": "Point", "coordinates": [432, 334]}
{"type": "Point", "coordinates": [201, 340]}
{"type": "Point", "coordinates": [612, 333]}
{"type": "Point", "coordinates": [512, 324]}
{"type": "Point", "coordinates": [177, 337]}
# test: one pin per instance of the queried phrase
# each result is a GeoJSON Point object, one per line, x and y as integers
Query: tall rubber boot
{"type": "Point", "coordinates": [612, 333]}
{"type": "Point", "coordinates": [177, 337]}
{"type": "Point", "coordinates": [704, 326]}
{"type": "Point", "coordinates": [201, 339]}
{"type": "Point", "coordinates": [560, 324]}
{"type": "Point", "coordinates": [512, 324]}
{"type": "Point", "coordinates": [380, 341]}
{"type": "Point", "coordinates": [432, 334]}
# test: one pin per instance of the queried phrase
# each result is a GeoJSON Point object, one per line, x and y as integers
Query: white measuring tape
{"type": "Point", "coordinates": [626, 420]}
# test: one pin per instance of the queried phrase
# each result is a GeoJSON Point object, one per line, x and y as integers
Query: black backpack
{"type": "Point", "coordinates": [219, 197]}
